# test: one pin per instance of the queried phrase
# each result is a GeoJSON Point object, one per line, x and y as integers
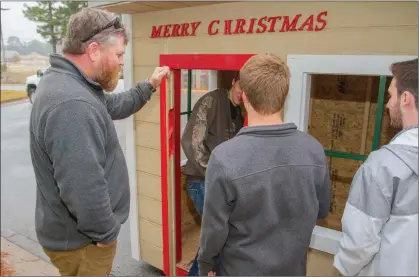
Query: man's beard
{"type": "Point", "coordinates": [108, 77]}
{"type": "Point", "coordinates": [396, 118]}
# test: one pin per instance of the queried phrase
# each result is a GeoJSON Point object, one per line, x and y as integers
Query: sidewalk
{"type": "Point", "coordinates": [24, 263]}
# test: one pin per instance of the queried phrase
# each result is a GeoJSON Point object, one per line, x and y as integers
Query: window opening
{"type": "Point", "coordinates": [347, 117]}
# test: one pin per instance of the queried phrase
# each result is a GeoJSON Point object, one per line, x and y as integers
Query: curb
{"type": "Point", "coordinates": [14, 101]}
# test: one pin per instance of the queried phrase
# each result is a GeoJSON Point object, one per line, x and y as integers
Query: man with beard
{"type": "Point", "coordinates": [81, 174]}
{"type": "Point", "coordinates": [380, 221]}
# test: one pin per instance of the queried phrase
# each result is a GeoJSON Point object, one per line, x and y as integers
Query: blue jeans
{"type": "Point", "coordinates": [196, 191]}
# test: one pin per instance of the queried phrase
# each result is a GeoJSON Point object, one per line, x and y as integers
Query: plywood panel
{"type": "Point", "coordinates": [150, 209]}
{"type": "Point", "coordinates": [151, 233]}
{"type": "Point", "coordinates": [147, 134]}
{"type": "Point", "coordinates": [151, 254]}
{"type": "Point", "coordinates": [320, 264]}
{"type": "Point", "coordinates": [150, 112]}
{"type": "Point", "coordinates": [190, 244]}
{"type": "Point", "coordinates": [337, 110]}
{"type": "Point", "coordinates": [148, 160]}
{"type": "Point", "coordinates": [149, 185]}
{"type": "Point", "coordinates": [340, 121]}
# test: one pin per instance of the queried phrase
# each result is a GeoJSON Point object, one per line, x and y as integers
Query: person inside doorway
{"type": "Point", "coordinates": [266, 187]}
{"type": "Point", "coordinates": [215, 118]}
{"type": "Point", "coordinates": [380, 220]}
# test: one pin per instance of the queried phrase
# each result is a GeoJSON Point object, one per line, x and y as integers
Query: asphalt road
{"type": "Point", "coordinates": [18, 189]}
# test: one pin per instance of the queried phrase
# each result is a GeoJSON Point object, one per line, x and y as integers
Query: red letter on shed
{"type": "Point", "coordinates": [210, 32]}
{"type": "Point", "coordinates": [156, 32]}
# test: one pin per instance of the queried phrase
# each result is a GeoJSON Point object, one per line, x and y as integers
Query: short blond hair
{"type": "Point", "coordinates": [265, 81]}
{"type": "Point", "coordinates": [83, 23]}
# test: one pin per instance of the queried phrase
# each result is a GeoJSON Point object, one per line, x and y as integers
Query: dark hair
{"type": "Point", "coordinates": [406, 76]}
{"type": "Point", "coordinates": [236, 76]}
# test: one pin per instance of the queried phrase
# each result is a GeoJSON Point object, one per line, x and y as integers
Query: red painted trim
{"type": "Point", "coordinates": [178, 177]}
{"type": "Point", "coordinates": [164, 179]}
{"type": "Point", "coordinates": [181, 272]}
{"type": "Point", "coordinates": [205, 61]}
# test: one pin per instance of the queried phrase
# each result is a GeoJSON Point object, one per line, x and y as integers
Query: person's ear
{"type": "Point", "coordinates": [407, 99]}
{"type": "Point", "coordinates": [244, 97]}
{"type": "Point", "coordinates": [93, 51]}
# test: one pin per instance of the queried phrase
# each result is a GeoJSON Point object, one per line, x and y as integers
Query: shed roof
{"type": "Point", "coordinates": [125, 7]}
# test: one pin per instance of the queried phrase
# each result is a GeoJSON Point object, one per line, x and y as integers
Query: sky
{"type": "Point", "coordinates": [14, 23]}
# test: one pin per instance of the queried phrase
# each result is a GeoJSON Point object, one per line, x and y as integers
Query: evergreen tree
{"type": "Point", "coordinates": [52, 18]}
{"type": "Point", "coordinates": [14, 42]}
{"type": "Point", "coordinates": [67, 9]}
{"type": "Point", "coordinates": [46, 14]}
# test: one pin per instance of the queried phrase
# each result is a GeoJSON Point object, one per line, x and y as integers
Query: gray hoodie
{"type": "Point", "coordinates": [81, 174]}
{"type": "Point", "coordinates": [264, 191]}
{"type": "Point", "coordinates": [380, 221]}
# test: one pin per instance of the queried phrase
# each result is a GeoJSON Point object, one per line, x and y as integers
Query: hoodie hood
{"type": "Point", "coordinates": [405, 146]}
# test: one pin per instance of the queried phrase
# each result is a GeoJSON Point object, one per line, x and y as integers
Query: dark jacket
{"type": "Point", "coordinates": [80, 169]}
{"type": "Point", "coordinates": [210, 124]}
{"type": "Point", "coordinates": [264, 191]}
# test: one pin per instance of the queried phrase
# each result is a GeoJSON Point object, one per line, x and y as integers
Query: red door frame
{"type": "Point", "coordinates": [177, 62]}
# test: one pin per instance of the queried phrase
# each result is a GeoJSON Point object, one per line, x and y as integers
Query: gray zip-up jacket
{"type": "Point", "coordinates": [81, 173]}
{"type": "Point", "coordinates": [264, 191]}
{"type": "Point", "coordinates": [380, 221]}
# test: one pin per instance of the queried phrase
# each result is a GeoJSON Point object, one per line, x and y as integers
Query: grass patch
{"type": "Point", "coordinates": [10, 95]}
{"type": "Point", "coordinates": [16, 77]}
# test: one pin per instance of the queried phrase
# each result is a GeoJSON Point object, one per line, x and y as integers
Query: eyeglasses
{"type": "Point", "coordinates": [116, 23]}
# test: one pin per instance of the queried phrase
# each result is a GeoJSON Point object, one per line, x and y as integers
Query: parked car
{"type": "Point", "coordinates": [32, 83]}
{"type": "Point", "coordinates": [33, 80]}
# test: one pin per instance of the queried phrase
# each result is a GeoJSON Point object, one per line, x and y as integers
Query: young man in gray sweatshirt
{"type": "Point", "coordinates": [264, 188]}
{"type": "Point", "coordinates": [83, 192]}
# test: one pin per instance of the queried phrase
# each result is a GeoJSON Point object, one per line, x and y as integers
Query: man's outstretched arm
{"type": "Point", "coordinates": [217, 210]}
{"type": "Point", "coordinates": [124, 104]}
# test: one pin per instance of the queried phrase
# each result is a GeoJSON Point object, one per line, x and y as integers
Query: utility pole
{"type": "Point", "coordinates": [3, 48]}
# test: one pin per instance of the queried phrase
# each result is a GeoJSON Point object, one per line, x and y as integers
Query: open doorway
{"type": "Point", "coordinates": [181, 223]}
{"type": "Point", "coordinates": [193, 88]}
